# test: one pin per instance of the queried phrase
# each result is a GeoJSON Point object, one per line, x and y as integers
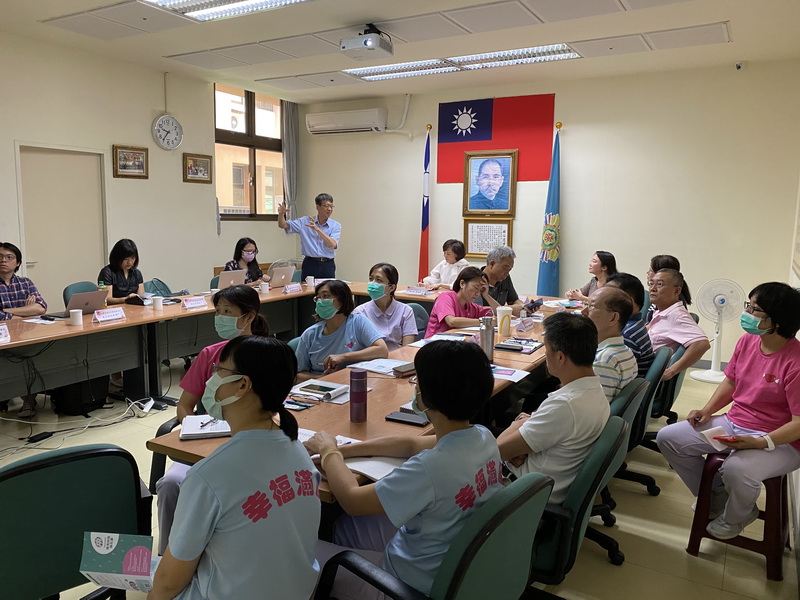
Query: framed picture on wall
{"type": "Point", "coordinates": [131, 162]}
{"type": "Point", "coordinates": [483, 234]}
{"type": "Point", "coordinates": [490, 182]}
{"type": "Point", "coordinates": [197, 168]}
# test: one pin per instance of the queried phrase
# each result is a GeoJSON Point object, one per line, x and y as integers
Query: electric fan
{"type": "Point", "coordinates": [718, 300]}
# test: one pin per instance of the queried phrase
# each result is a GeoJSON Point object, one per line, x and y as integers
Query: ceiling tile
{"type": "Point", "coordinates": [302, 45]}
{"type": "Point", "coordinates": [329, 79]}
{"type": "Point", "coordinates": [252, 54]}
{"type": "Point", "coordinates": [716, 33]}
{"type": "Point", "coordinates": [637, 4]}
{"type": "Point", "coordinates": [207, 60]}
{"type": "Point", "coordinates": [561, 10]}
{"type": "Point", "coordinates": [424, 27]}
{"type": "Point", "coordinates": [90, 25]}
{"type": "Point", "coordinates": [611, 46]}
{"type": "Point", "coordinates": [142, 16]}
{"type": "Point", "coordinates": [491, 17]}
{"type": "Point", "coordinates": [288, 83]}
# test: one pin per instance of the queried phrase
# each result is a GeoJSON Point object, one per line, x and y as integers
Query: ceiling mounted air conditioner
{"type": "Point", "coordinates": [350, 121]}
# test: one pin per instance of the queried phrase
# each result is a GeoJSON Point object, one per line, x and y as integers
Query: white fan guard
{"type": "Point", "coordinates": [718, 300]}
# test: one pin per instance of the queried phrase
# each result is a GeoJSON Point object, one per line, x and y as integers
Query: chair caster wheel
{"type": "Point", "coordinates": [653, 490]}
{"type": "Point", "coordinates": [616, 558]}
{"type": "Point", "coordinates": [609, 520]}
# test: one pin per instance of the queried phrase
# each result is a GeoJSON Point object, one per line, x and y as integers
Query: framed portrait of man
{"type": "Point", "coordinates": [490, 183]}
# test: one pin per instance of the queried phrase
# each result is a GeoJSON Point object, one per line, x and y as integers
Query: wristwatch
{"type": "Point", "coordinates": [770, 444]}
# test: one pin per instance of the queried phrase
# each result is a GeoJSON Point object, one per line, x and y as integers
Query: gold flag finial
{"type": "Point", "coordinates": [559, 125]}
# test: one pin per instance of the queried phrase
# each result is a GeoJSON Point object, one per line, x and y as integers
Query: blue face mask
{"type": "Point", "coordinates": [415, 406]}
{"type": "Point", "coordinates": [226, 326]}
{"type": "Point", "coordinates": [750, 324]}
{"type": "Point", "coordinates": [376, 290]}
{"type": "Point", "coordinates": [209, 400]}
{"type": "Point", "coordinates": [325, 308]}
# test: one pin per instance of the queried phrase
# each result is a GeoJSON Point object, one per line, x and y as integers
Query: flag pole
{"type": "Point", "coordinates": [423, 239]}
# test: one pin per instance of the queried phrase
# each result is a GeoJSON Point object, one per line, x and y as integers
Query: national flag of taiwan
{"type": "Point", "coordinates": [423, 239]}
{"type": "Point", "coordinates": [521, 122]}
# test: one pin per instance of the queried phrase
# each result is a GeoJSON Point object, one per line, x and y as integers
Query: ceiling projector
{"type": "Point", "coordinates": [366, 46]}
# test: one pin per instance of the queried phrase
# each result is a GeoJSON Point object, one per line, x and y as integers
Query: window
{"type": "Point", "coordinates": [248, 154]}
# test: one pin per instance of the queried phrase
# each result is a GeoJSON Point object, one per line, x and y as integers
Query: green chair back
{"type": "Point", "coordinates": [65, 493]}
{"type": "Point", "coordinates": [626, 404]}
{"type": "Point", "coordinates": [646, 305]}
{"type": "Point", "coordinates": [491, 555]}
{"type": "Point", "coordinates": [668, 390]}
{"type": "Point", "coordinates": [296, 276]}
{"type": "Point", "coordinates": [293, 343]}
{"type": "Point", "coordinates": [653, 378]}
{"type": "Point", "coordinates": [214, 282]}
{"type": "Point", "coordinates": [421, 317]}
{"type": "Point", "coordinates": [157, 287]}
{"type": "Point", "coordinates": [78, 288]}
{"type": "Point", "coordinates": [557, 543]}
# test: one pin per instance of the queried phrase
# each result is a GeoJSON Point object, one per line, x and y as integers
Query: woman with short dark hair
{"type": "Point", "coordinates": [393, 319]}
{"type": "Point", "coordinates": [457, 308]}
{"type": "Point", "coordinates": [444, 274]}
{"type": "Point", "coordinates": [121, 274]}
{"type": "Point", "coordinates": [339, 337]}
{"type": "Point", "coordinates": [244, 258]}
{"type": "Point", "coordinates": [602, 266]}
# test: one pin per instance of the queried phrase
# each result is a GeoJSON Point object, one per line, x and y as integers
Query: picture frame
{"type": "Point", "coordinates": [483, 234]}
{"type": "Point", "coordinates": [197, 168]}
{"type": "Point", "coordinates": [490, 183]}
{"type": "Point", "coordinates": [131, 162]}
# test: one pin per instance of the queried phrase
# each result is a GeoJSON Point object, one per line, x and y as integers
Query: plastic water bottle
{"type": "Point", "coordinates": [101, 286]}
{"type": "Point", "coordinates": [358, 395]}
{"type": "Point", "coordinates": [486, 334]}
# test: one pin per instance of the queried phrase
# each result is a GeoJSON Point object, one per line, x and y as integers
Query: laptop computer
{"type": "Point", "coordinates": [230, 278]}
{"type": "Point", "coordinates": [282, 276]}
{"type": "Point", "coordinates": [88, 302]}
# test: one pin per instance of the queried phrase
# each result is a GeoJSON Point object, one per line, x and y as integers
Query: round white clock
{"type": "Point", "coordinates": [167, 132]}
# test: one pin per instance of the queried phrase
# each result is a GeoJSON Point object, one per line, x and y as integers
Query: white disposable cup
{"type": "Point", "coordinates": [76, 317]}
{"type": "Point", "coordinates": [158, 303]}
{"type": "Point", "coordinates": [310, 281]}
{"type": "Point", "coordinates": [264, 288]}
{"type": "Point", "coordinates": [504, 320]}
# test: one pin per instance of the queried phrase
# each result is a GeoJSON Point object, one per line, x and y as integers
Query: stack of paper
{"type": "Point", "coordinates": [197, 427]}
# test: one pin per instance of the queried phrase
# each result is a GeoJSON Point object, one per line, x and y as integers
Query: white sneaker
{"type": "Point", "coordinates": [722, 530]}
{"type": "Point", "coordinates": [719, 498]}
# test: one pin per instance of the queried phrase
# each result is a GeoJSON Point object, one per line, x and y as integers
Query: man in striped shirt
{"type": "Point", "coordinates": [635, 331]}
{"type": "Point", "coordinates": [609, 309]}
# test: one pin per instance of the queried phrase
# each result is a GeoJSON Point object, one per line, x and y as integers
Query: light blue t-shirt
{"type": "Point", "coordinates": [251, 511]}
{"type": "Point", "coordinates": [310, 242]}
{"type": "Point", "coordinates": [429, 497]}
{"type": "Point", "coordinates": [356, 333]}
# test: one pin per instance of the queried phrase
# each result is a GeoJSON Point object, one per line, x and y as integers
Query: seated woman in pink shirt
{"type": "Point", "coordinates": [457, 308]}
{"type": "Point", "coordinates": [761, 428]}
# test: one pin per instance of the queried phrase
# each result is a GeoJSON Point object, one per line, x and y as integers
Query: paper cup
{"type": "Point", "coordinates": [504, 320]}
{"type": "Point", "coordinates": [264, 288]}
{"type": "Point", "coordinates": [310, 281]}
{"type": "Point", "coordinates": [76, 317]}
{"type": "Point", "coordinates": [158, 302]}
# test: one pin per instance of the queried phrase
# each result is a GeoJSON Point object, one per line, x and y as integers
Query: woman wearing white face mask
{"type": "Point", "coordinates": [762, 425]}
{"type": "Point", "coordinates": [244, 258]}
{"type": "Point", "coordinates": [237, 313]}
{"type": "Point", "coordinates": [339, 337]}
{"type": "Point", "coordinates": [393, 319]}
{"type": "Point", "coordinates": [248, 514]}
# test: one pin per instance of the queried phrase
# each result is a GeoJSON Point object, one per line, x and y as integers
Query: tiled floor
{"type": "Point", "coordinates": [652, 531]}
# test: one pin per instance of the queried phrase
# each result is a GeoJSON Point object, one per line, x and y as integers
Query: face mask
{"type": "Point", "coordinates": [226, 326]}
{"type": "Point", "coordinates": [325, 308]}
{"type": "Point", "coordinates": [248, 256]}
{"type": "Point", "coordinates": [376, 290]}
{"type": "Point", "coordinates": [214, 408]}
{"type": "Point", "coordinates": [415, 406]}
{"type": "Point", "coordinates": [750, 324]}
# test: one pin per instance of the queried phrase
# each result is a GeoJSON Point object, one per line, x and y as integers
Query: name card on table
{"type": "Point", "coordinates": [5, 337]}
{"type": "Point", "coordinates": [417, 290]}
{"type": "Point", "coordinates": [108, 314]}
{"type": "Point", "coordinates": [194, 302]}
{"type": "Point", "coordinates": [293, 288]}
{"type": "Point", "coordinates": [525, 324]}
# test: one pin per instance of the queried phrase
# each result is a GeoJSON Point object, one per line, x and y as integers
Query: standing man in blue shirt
{"type": "Point", "coordinates": [319, 237]}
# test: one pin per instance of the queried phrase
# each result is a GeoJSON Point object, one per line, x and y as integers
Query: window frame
{"type": "Point", "coordinates": [252, 142]}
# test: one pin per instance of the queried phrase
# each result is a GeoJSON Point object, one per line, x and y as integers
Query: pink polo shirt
{"type": "Point", "coordinates": [447, 304]}
{"type": "Point", "coordinates": [767, 390]}
{"type": "Point", "coordinates": [195, 379]}
{"type": "Point", "coordinates": [674, 327]}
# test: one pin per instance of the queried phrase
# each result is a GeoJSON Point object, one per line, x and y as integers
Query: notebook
{"type": "Point", "coordinates": [230, 278]}
{"type": "Point", "coordinates": [198, 427]}
{"type": "Point", "coordinates": [281, 276]}
{"type": "Point", "coordinates": [88, 302]}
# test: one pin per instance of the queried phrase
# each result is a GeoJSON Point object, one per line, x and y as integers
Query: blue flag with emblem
{"type": "Point", "coordinates": [551, 231]}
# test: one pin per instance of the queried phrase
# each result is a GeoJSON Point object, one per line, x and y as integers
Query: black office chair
{"type": "Point", "coordinates": [66, 493]}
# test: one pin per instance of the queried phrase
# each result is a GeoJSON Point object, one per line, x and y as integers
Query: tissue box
{"type": "Point", "coordinates": [119, 560]}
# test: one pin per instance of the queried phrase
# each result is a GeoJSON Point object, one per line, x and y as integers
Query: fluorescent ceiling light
{"type": "Point", "coordinates": [209, 10]}
{"type": "Point", "coordinates": [487, 60]}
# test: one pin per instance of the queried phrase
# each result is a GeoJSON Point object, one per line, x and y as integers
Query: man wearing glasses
{"type": "Point", "coordinates": [490, 183]}
{"type": "Point", "coordinates": [672, 325]}
{"type": "Point", "coordinates": [319, 237]}
{"type": "Point", "coordinates": [18, 298]}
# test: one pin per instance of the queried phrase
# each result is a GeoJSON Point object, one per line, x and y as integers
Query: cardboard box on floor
{"type": "Point", "coordinates": [121, 561]}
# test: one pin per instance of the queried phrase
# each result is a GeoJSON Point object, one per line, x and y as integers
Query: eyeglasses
{"type": "Point", "coordinates": [318, 298]}
{"type": "Point", "coordinates": [412, 380]}
{"type": "Point", "coordinates": [8, 257]}
{"type": "Point", "coordinates": [658, 284]}
{"type": "Point", "coordinates": [217, 368]}
{"type": "Point", "coordinates": [749, 308]}
{"type": "Point", "coordinates": [593, 306]}
{"type": "Point", "coordinates": [327, 206]}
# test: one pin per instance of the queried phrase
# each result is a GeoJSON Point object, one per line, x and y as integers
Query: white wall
{"type": "Point", "coordinates": [701, 164]}
{"type": "Point", "coordinates": [60, 97]}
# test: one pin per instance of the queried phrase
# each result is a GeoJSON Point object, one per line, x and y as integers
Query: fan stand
{"type": "Point", "coordinates": [714, 374]}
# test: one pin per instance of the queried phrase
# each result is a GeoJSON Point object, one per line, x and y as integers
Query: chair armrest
{"type": "Point", "coordinates": [372, 574]}
{"type": "Point", "coordinates": [158, 464]}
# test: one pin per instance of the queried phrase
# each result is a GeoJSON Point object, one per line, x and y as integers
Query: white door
{"type": "Point", "coordinates": [62, 207]}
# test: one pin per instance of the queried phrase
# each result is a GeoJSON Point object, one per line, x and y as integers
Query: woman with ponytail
{"type": "Point", "coordinates": [237, 313]}
{"type": "Point", "coordinates": [247, 517]}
